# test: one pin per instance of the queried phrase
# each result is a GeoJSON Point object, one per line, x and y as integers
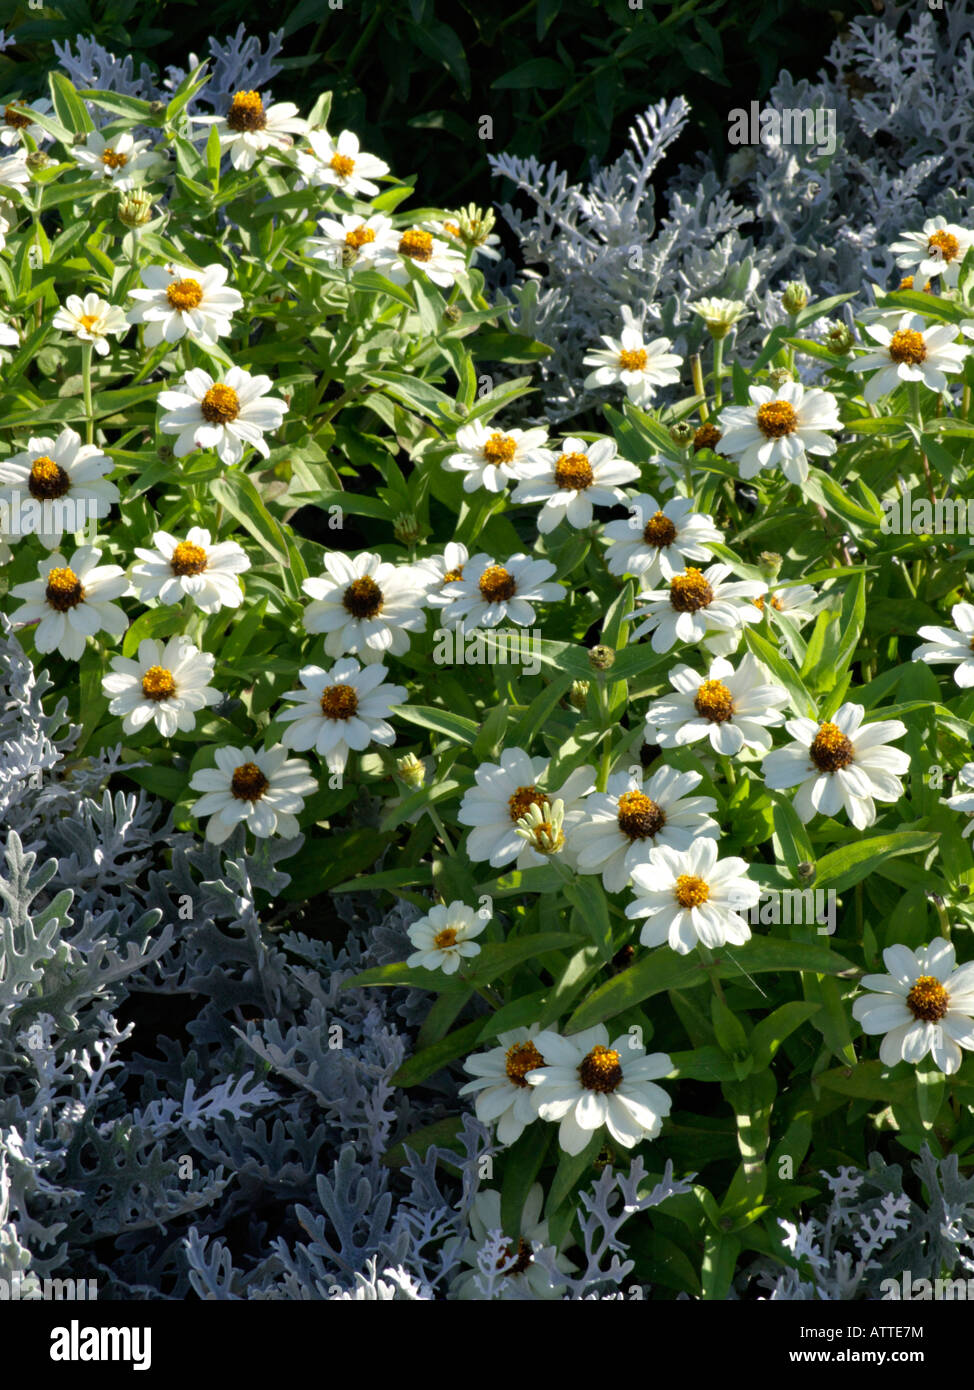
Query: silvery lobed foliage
{"type": "Point", "coordinates": [872, 1231]}
{"type": "Point", "coordinates": [904, 152]}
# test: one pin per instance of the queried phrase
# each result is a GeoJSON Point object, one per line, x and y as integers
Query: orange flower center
{"type": "Point", "coordinates": [64, 589]}
{"type": "Point", "coordinates": [907, 345]}
{"type": "Point", "coordinates": [158, 683]}
{"type": "Point", "coordinates": [359, 236]}
{"type": "Point", "coordinates": [600, 1070]}
{"type": "Point", "coordinates": [220, 405]}
{"type": "Point", "coordinates": [362, 598]}
{"type": "Point", "coordinates": [639, 818]}
{"type": "Point", "coordinates": [417, 245]}
{"type": "Point", "coordinates": [573, 473]}
{"type": "Point", "coordinates": [497, 585]}
{"type": "Point", "coordinates": [13, 118]}
{"type": "Point", "coordinates": [246, 113]}
{"type": "Point", "coordinates": [113, 160]}
{"type": "Point", "coordinates": [499, 448]}
{"type": "Point", "coordinates": [659, 531]}
{"type": "Point", "coordinates": [714, 702]}
{"type": "Point", "coordinates": [248, 782]}
{"type": "Point", "coordinates": [87, 321]}
{"type": "Point", "coordinates": [446, 938]}
{"type": "Point", "coordinates": [830, 749]}
{"type": "Point", "coordinates": [339, 701]}
{"type": "Point", "coordinates": [523, 799]}
{"type": "Point", "coordinates": [341, 164]}
{"type": "Point", "coordinates": [47, 479]}
{"type": "Point", "coordinates": [689, 592]}
{"type": "Point", "coordinates": [633, 359]}
{"type": "Point", "coordinates": [776, 419]}
{"type": "Point", "coordinates": [691, 891]}
{"type": "Point", "coordinates": [928, 1000]}
{"type": "Point", "coordinates": [188, 559]}
{"type": "Point", "coordinates": [708, 436]}
{"type": "Point", "coordinates": [184, 294]}
{"type": "Point", "coordinates": [944, 244]}
{"type": "Point", "coordinates": [521, 1058]}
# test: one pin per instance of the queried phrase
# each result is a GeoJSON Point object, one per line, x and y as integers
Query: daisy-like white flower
{"type": "Point", "coordinates": [924, 1005]}
{"type": "Point", "coordinates": [434, 572]}
{"type": "Point", "coordinates": [793, 601]}
{"type": "Point", "coordinates": [656, 542]}
{"type": "Point", "coordinates": [491, 458]}
{"type": "Point", "coordinates": [571, 483]}
{"type": "Point", "coordinates": [265, 790]}
{"type": "Point", "coordinates": [122, 160]}
{"type": "Point", "coordinates": [191, 568]}
{"type": "Point", "coordinates": [502, 1096]}
{"type": "Point", "coordinates": [14, 172]}
{"type": "Point", "coordinates": [61, 481]}
{"type": "Point", "coordinates": [341, 710]}
{"type": "Point", "coordinates": [488, 593]}
{"type": "Point", "coordinates": [963, 801]}
{"type": "Point", "coordinates": [439, 260]}
{"type": "Point", "coordinates": [16, 123]}
{"type": "Point", "coordinates": [697, 605]}
{"type": "Point", "coordinates": [365, 606]}
{"type": "Point", "coordinates": [167, 684]}
{"type": "Point", "coordinates": [780, 428]}
{"type": "Point", "coordinates": [353, 242]}
{"type": "Point", "coordinates": [938, 250]}
{"type": "Point", "coordinates": [720, 315]}
{"type": "Point", "coordinates": [630, 362]}
{"type": "Point", "coordinates": [340, 163]}
{"type": "Point", "coordinates": [944, 644]}
{"type": "Point", "coordinates": [616, 829]}
{"type": "Point", "coordinates": [249, 127]}
{"type": "Point", "coordinates": [470, 230]}
{"type": "Point", "coordinates": [841, 762]}
{"type": "Point", "coordinates": [444, 937]}
{"type": "Point", "coordinates": [223, 415]}
{"type": "Point", "coordinates": [588, 1082]}
{"type": "Point", "coordinates": [178, 301]}
{"type": "Point", "coordinates": [502, 794]}
{"type": "Point", "coordinates": [910, 352]}
{"type": "Point", "coordinates": [524, 1280]}
{"type": "Point", "coordinates": [72, 601]}
{"type": "Point", "coordinates": [690, 897]}
{"type": "Point", "coordinates": [731, 708]}
{"type": "Point", "coordinates": [91, 319]}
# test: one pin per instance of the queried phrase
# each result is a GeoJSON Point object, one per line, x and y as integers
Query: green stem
{"type": "Point", "coordinates": [441, 830]}
{"type": "Point", "coordinates": [86, 382]}
{"type": "Point", "coordinates": [718, 369]}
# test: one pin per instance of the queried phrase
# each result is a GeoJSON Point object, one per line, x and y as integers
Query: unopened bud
{"type": "Point", "coordinates": [779, 375]}
{"type": "Point", "coordinates": [135, 208]}
{"type": "Point", "coordinates": [37, 159]}
{"type": "Point", "coordinates": [838, 337]}
{"type": "Point", "coordinates": [410, 770]}
{"type": "Point", "coordinates": [682, 434]}
{"type": "Point", "coordinates": [578, 694]}
{"type": "Point", "coordinates": [806, 871]}
{"type": "Point", "coordinates": [406, 529]}
{"type": "Point", "coordinates": [453, 313]}
{"type": "Point", "coordinates": [795, 297]}
{"type": "Point", "coordinates": [601, 658]}
{"type": "Point", "coordinates": [770, 564]}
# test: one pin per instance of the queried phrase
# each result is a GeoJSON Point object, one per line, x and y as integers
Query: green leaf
{"type": "Point", "coordinates": [68, 105]}
{"type": "Point", "coordinates": [423, 1064]}
{"type": "Point", "coordinates": [842, 868]}
{"type": "Point", "coordinates": [497, 958]}
{"type": "Point", "coordinates": [783, 672]}
{"type": "Point", "coordinates": [538, 74]}
{"type": "Point", "coordinates": [440, 721]}
{"type": "Point", "coordinates": [522, 1163]}
{"type": "Point", "coordinates": [768, 1035]}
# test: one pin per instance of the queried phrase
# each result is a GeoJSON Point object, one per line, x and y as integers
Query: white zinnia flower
{"type": "Point", "coordinates": [954, 645]}
{"type": "Point", "coordinates": [690, 897]}
{"type": "Point", "coordinates": [443, 938]}
{"type": "Point", "coordinates": [910, 352]}
{"type": "Point", "coordinates": [791, 601]}
{"type": "Point", "coordinates": [437, 259]}
{"type": "Point", "coordinates": [779, 429]}
{"type": "Point", "coordinates": [167, 684]}
{"type": "Point", "coordinates": [366, 606]}
{"type": "Point", "coordinates": [340, 163]}
{"type": "Point", "coordinates": [72, 599]}
{"type": "Point", "coordinates": [120, 159]}
{"type": "Point", "coordinates": [938, 250]}
{"type": "Point", "coordinates": [588, 1082]}
{"type": "Point", "coordinates": [731, 708]}
{"type": "Point", "coordinates": [14, 172]}
{"type": "Point", "coordinates": [616, 829]}
{"type": "Point", "coordinates": [964, 800]}
{"type": "Point", "coordinates": [249, 127]}
{"type": "Point", "coordinates": [524, 1280]}
{"type": "Point", "coordinates": [502, 794]}
{"type": "Point", "coordinates": [62, 480]}
{"type": "Point", "coordinates": [178, 300]}
{"type": "Point", "coordinates": [630, 362]}
{"type": "Point", "coordinates": [355, 242]}
{"type": "Point", "coordinates": [503, 1097]}
{"type": "Point", "coordinates": [434, 572]}
{"type": "Point", "coordinates": [656, 542]}
{"type": "Point", "coordinates": [15, 124]}
{"type": "Point", "coordinates": [192, 568]}
{"type": "Point", "coordinates": [223, 415]}
{"type": "Point", "coordinates": [923, 1005]}
{"type": "Point", "coordinates": [720, 315]}
{"type": "Point", "coordinates": [697, 605]}
{"type": "Point", "coordinates": [491, 458]}
{"type": "Point", "coordinates": [571, 483]}
{"type": "Point", "coordinates": [838, 763]}
{"type": "Point", "coordinates": [265, 790]}
{"type": "Point", "coordinates": [91, 319]}
{"type": "Point", "coordinates": [341, 710]}
{"type": "Point", "coordinates": [488, 593]}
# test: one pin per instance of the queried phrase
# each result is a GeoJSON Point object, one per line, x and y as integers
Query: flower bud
{"type": "Point", "coordinates": [779, 375]}
{"type": "Point", "coordinates": [406, 529]}
{"type": "Point", "coordinates": [578, 694]}
{"type": "Point", "coordinates": [135, 208]}
{"type": "Point", "coordinates": [410, 770]}
{"type": "Point", "coordinates": [682, 434]}
{"type": "Point", "coordinates": [838, 337]}
{"type": "Point", "coordinates": [770, 564]}
{"type": "Point", "coordinates": [795, 297]}
{"type": "Point", "coordinates": [601, 658]}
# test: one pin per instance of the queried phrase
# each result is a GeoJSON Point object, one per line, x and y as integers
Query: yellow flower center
{"type": "Point", "coordinates": [88, 321]}
{"type": "Point", "coordinates": [633, 359]}
{"type": "Point", "coordinates": [499, 448]}
{"type": "Point", "coordinates": [691, 891]}
{"type": "Point", "coordinates": [928, 1000]}
{"type": "Point", "coordinates": [248, 782]}
{"type": "Point", "coordinates": [452, 228]}
{"type": "Point", "coordinates": [689, 592]}
{"type": "Point", "coordinates": [184, 294]}
{"type": "Point", "coordinates": [708, 436]}
{"type": "Point", "coordinates": [573, 473]}
{"type": "Point", "coordinates": [64, 589]}
{"type": "Point", "coordinates": [523, 799]}
{"type": "Point", "coordinates": [188, 559]}
{"type": "Point", "coordinates": [113, 160]}
{"type": "Point", "coordinates": [944, 244]}
{"type": "Point", "coordinates": [220, 405]}
{"type": "Point", "coordinates": [246, 113]}
{"type": "Point", "coordinates": [906, 283]}
{"type": "Point", "coordinates": [13, 118]}
{"type": "Point", "coordinates": [341, 164]}
{"type": "Point", "coordinates": [158, 683]}
{"type": "Point", "coordinates": [639, 817]}
{"type": "Point", "coordinates": [714, 702]}
{"type": "Point", "coordinates": [830, 749]}
{"type": "Point", "coordinates": [776, 419]}
{"type": "Point", "coordinates": [362, 598]}
{"type": "Point", "coordinates": [497, 585]}
{"type": "Point", "coordinates": [446, 938]}
{"type": "Point", "coordinates": [417, 245]}
{"type": "Point", "coordinates": [359, 236]}
{"type": "Point", "coordinates": [659, 531]}
{"type": "Point", "coordinates": [339, 701]}
{"type": "Point", "coordinates": [452, 576]}
{"type": "Point", "coordinates": [47, 479]}
{"type": "Point", "coordinates": [776, 604]}
{"type": "Point", "coordinates": [599, 1070]}
{"type": "Point", "coordinates": [521, 1058]}
{"type": "Point", "coordinates": [907, 345]}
